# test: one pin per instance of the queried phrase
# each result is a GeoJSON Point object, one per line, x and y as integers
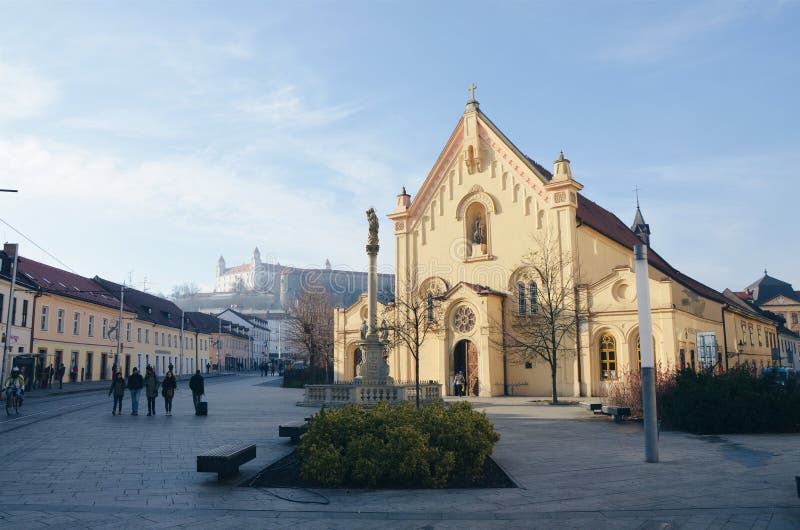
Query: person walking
{"type": "Point", "coordinates": [118, 389]}
{"type": "Point", "coordinates": [60, 375]}
{"type": "Point", "coordinates": [168, 387]}
{"type": "Point", "coordinates": [458, 383]}
{"type": "Point", "coordinates": [151, 390]}
{"type": "Point", "coordinates": [50, 373]}
{"type": "Point", "coordinates": [198, 388]}
{"type": "Point", "coordinates": [135, 385]}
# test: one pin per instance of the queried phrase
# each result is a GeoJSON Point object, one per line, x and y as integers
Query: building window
{"type": "Point", "coordinates": [794, 318]}
{"type": "Point", "coordinates": [522, 300]}
{"type": "Point", "coordinates": [128, 332]}
{"type": "Point", "coordinates": [76, 324]}
{"type": "Point", "coordinates": [14, 312]}
{"type": "Point", "coordinates": [533, 296]}
{"type": "Point", "coordinates": [24, 313]}
{"type": "Point", "coordinates": [139, 335]}
{"type": "Point", "coordinates": [90, 326]}
{"type": "Point", "coordinates": [147, 336]}
{"type": "Point", "coordinates": [1, 308]}
{"type": "Point", "coordinates": [430, 307]}
{"type": "Point", "coordinates": [162, 339]}
{"type": "Point", "coordinates": [750, 328]}
{"type": "Point", "coordinates": [104, 329]}
{"type": "Point", "coordinates": [60, 321]}
{"type": "Point", "coordinates": [760, 342]}
{"type": "Point", "coordinates": [155, 338]}
{"type": "Point", "coordinates": [44, 318]}
{"type": "Point", "coordinates": [608, 357]}
{"type": "Point", "coordinates": [707, 350]}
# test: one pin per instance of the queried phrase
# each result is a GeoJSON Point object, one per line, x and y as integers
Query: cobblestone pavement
{"type": "Point", "coordinates": [68, 463]}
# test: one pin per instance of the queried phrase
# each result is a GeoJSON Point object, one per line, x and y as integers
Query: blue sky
{"type": "Point", "coordinates": [148, 138]}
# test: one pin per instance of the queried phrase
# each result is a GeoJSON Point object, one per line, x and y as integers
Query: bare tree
{"type": "Point", "coordinates": [541, 326]}
{"type": "Point", "coordinates": [184, 290]}
{"type": "Point", "coordinates": [309, 327]}
{"type": "Point", "coordinates": [408, 320]}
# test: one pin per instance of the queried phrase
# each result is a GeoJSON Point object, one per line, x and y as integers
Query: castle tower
{"type": "Point", "coordinates": [220, 266]}
{"type": "Point", "coordinates": [256, 257]}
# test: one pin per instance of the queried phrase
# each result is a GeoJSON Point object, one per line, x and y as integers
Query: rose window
{"type": "Point", "coordinates": [464, 319]}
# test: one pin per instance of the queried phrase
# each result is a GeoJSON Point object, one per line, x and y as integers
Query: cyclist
{"type": "Point", "coordinates": [15, 384]}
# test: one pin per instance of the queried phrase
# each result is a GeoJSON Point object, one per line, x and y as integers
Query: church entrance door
{"type": "Point", "coordinates": [465, 359]}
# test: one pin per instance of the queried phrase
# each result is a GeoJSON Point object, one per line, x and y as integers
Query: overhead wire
{"type": "Point", "coordinates": [34, 243]}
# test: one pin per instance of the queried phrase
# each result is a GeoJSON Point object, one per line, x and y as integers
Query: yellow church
{"type": "Point", "coordinates": [464, 238]}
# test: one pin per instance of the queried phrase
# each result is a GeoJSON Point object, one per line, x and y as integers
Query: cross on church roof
{"type": "Point", "coordinates": [472, 88]}
{"type": "Point", "coordinates": [636, 190]}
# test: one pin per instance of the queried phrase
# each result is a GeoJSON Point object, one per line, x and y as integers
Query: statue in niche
{"type": "Point", "coordinates": [363, 329]}
{"type": "Point", "coordinates": [372, 219]}
{"type": "Point", "coordinates": [384, 335]}
{"type": "Point", "coordinates": [478, 231]}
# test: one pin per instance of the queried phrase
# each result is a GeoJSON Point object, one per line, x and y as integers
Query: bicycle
{"type": "Point", "coordinates": [12, 401]}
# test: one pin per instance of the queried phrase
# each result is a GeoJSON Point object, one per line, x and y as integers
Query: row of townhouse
{"type": "Point", "coordinates": [93, 326]}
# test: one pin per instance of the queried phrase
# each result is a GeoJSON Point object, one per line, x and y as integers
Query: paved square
{"type": "Point", "coordinates": [70, 463]}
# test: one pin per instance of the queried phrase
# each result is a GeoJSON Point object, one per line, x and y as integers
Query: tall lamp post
{"type": "Point", "coordinates": [12, 251]}
{"type": "Point", "coordinates": [15, 248]}
{"type": "Point", "coordinates": [647, 356]}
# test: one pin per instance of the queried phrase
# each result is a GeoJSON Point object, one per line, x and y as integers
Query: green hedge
{"type": "Point", "coordinates": [397, 446]}
{"type": "Point", "coordinates": [731, 402]}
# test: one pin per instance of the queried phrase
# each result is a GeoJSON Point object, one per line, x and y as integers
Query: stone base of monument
{"type": "Point", "coordinates": [369, 395]}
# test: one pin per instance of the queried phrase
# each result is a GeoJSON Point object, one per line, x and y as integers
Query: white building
{"type": "Point", "coordinates": [258, 331]}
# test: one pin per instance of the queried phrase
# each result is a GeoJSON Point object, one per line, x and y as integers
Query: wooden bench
{"type": "Point", "coordinates": [618, 413]}
{"type": "Point", "coordinates": [293, 430]}
{"type": "Point", "coordinates": [225, 460]}
{"type": "Point", "coordinates": [592, 407]}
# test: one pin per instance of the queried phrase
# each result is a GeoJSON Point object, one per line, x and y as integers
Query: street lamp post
{"type": "Point", "coordinates": [12, 251]}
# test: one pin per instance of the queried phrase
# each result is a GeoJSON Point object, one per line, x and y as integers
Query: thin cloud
{"type": "Point", "coordinates": [163, 205]}
{"type": "Point", "coordinates": [285, 107]}
{"type": "Point", "coordinates": [671, 35]}
{"type": "Point", "coordinates": [23, 92]}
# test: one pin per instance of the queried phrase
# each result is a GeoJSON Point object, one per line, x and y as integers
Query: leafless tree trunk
{"type": "Point", "coordinates": [409, 320]}
{"type": "Point", "coordinates": [309, 327]}
{"type": "Point", "coordinates": [541, 326]}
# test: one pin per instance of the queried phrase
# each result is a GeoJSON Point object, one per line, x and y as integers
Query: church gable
{"type": "Point", "coordinates": [477, 153]}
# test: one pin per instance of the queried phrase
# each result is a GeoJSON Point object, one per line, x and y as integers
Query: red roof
{"type": "Point", "coordinates": [64, 283]}
{"type": "Point", "coordinates": [608, 224]}
{"type": "Point", "coordinates": [238, 268]}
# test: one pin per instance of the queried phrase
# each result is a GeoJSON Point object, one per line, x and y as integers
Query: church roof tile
{"type": "Point", "coordinates": [608, 224]}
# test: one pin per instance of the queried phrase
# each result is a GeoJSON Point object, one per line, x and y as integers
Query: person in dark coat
{"type": "Point", "coordinates": [168, 387]}
{"type": "Point", "coordinates": [151, 390]}
{"type": "Point", "coordinates": [60, 375]}
{"type": "Point", "coordinates": [198, 388]}
{"type": "Point", "coordinates": [135, 385]}
{"type": "Point", "coordinates": [118, 389]}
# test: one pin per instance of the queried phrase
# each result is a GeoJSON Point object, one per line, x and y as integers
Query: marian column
{"type": "Point", "coordinates": [374, 369]}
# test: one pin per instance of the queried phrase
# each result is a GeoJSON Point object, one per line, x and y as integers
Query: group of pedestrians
{"type": "Point", "coordinates": [150, 383]}
{"type": "Point", "coordinates": [266, 368]}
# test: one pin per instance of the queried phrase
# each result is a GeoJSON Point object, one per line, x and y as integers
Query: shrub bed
{"type": "Point", "coordinates": [735, 401]}
{"type": "Point", "coordinates": [397, 446]}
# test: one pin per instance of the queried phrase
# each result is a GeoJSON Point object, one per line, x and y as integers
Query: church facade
{"type": "Point", "coordinates": [462, 242]}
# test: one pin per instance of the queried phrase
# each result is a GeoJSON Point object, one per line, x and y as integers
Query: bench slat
{"type": "Point", "coordinates": [225, 460]}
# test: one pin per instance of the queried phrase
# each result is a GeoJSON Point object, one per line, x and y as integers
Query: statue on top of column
{"type": "Point", "coordinates": [372, 239]}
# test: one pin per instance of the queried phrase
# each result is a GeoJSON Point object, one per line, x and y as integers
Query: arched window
{"type": "Point", "coordinates": [533, 295]}
{"type": "Point", "coordinates": [521, 300]}
{"type": "Point", "coordinates": [430, 307]}
{"type": "Point", "coordinates": [608, 357]}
